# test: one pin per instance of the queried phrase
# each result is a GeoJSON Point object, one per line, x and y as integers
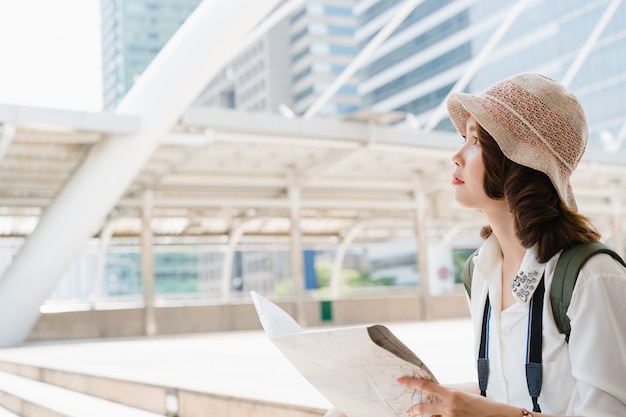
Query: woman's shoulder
{"type": "Point", "coordinates": [601, 264]}
{"type": "Point", "coordinates": [601, 277]}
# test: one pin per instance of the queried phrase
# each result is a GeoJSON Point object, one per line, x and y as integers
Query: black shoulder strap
{"type": "Point", "coordinates": [468, 269]}
{"type": "Point", "coordinates": [565, 275]}
{"type": "Point", "coordinates": [564, 280]}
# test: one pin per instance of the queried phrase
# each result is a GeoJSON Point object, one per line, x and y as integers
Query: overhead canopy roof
{"type": "Point", "coordinates": [209, 174]}
{"type": "Point", "coordinates": [219, 168]}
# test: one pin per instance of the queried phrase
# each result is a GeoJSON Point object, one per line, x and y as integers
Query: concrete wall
{"type": "Point", "coordinates": [233, 317]}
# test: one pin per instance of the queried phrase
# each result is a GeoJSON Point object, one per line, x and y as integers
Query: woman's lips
{"type": "Point", "coordinates": [456, 180]}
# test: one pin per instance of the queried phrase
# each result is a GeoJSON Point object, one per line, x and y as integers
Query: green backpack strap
{"type": "Point", "coordinates": [468, 269]}
{"type": "Point", "coordinates": [565, 275]}
{"type": "Point", "coordinates": [564, 280]}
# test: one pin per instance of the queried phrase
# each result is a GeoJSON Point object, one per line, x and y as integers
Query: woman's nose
{"type": "Point", "coordinates": [456, 158]}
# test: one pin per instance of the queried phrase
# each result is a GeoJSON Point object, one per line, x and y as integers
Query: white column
{"type": "Point", "coordinates": [335, 276]}
{"type": "Point", "coordinates": [147, 265]}
{"type": "Point", "coordinates": [422, 246]}
{"type": "Point", "coordinates": [105, 238]}
{"type": "Point", "coordinates": [297, 258]}
{"type": "Point", "coordinates": [159, 98]}
{"type": "Point", "coordinates": [235, 236]}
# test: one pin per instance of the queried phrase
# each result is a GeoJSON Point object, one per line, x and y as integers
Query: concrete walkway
{"type": "Point", "coordinates": [238, 364]}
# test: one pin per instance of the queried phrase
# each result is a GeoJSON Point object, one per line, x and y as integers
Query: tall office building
{"type": "Point", "coordinates": [258, 79]}
{"type": "Point", "coordinates": [133, 33]}
{"type": "Point", "coordinates": [293, 64]}
{"type": "Point", "coordinates": [322, 46]}
{"type": "Point", "coordinates": [441, 39]}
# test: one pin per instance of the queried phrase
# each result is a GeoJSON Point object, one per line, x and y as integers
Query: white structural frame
{"type": "Point", "coordinates": [478, 61]}
{"type": "Point", "coordinates": [84, 203]}
{"type": "Point", "coordinates": [590, 42]}
{"type": "Point", "coordinates": [363, 56]}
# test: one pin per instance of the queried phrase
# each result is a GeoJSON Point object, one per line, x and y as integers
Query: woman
{"type": "Point", "coordinates": [523, 138]}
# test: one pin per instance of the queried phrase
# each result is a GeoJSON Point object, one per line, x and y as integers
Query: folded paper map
{"type": "Point", "coordinates": [355, 368]}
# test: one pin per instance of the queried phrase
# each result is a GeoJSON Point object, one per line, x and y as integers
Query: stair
{"type": "Point", "coordinates": [28, 390]}
{"type": "Point", "coordinates": [27, 397]}
{"type": "Point", "coordinates": [6, 413]}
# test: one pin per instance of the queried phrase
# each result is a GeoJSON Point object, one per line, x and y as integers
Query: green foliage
{"type": "Point", "coordinates": [459, 256]}
{"type": "Point", "coordinates": [349, 277]}
{"type": "Point", "coordinates": [285, 287]}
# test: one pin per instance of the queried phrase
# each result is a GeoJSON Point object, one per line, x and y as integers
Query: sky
{"type": "Point", "coordinates": [50, 54]}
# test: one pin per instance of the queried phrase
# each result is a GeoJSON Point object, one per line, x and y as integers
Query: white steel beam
{"type": "Point", "coordinates": [621, 135]}
{"type": "Point", "coordinates": [478, 61]}
{"type": "Point", "coordinates": [159, 98]}
{"type": "Point", "coordinates": [362, 57]}
{"type": "Point", "coordinates": [591, 41]}
{"type": "Point", "coordinates": [228, 251]}
{"type": "Point", "coordinates": [335, 276]}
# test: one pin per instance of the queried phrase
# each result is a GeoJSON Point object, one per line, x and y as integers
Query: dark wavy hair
{"type": "Point", "coordinates": [540, 215]}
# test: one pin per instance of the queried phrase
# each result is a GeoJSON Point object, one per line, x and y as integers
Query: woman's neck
{"type": "Point", "coordinates": [503, 228]}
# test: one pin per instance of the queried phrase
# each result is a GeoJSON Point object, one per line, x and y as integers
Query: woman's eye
{"type": "Point", "coordinates": [463, 139]}
{"type": "Point", "coordinates": [475, 140]}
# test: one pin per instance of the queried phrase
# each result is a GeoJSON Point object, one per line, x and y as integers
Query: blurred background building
{"type": "Point", "coordinates": [436, 47]}
{"type": "Point", "coordinates": [133, 33]}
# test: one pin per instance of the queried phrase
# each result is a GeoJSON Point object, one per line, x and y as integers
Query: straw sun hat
{"type": "Point", "coordinates": [534, 120]}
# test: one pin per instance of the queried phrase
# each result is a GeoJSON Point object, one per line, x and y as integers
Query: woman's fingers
{"type": "Point", "coordinates": [427, 387]}
{"type": "Point", "coordinates": [424, 409]}
{"type": "Point", "coordinates": [422, 385]}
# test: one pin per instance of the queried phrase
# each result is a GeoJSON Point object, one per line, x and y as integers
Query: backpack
{"type": "Point", "coordinates": [565, 275]}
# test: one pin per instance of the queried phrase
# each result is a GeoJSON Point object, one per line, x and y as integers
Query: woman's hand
{"type": "Point", "coordinates": [450, 402]}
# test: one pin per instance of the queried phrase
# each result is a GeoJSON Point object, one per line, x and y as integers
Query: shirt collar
{"type": "Point", "coordinates": [489, 259]}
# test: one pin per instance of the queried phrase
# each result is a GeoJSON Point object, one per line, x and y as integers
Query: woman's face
{"type": "Point", "coordinates": [469, 170]}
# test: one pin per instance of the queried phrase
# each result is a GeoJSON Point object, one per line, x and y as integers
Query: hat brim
{"type": "Point", "coordinates": [462, 105]}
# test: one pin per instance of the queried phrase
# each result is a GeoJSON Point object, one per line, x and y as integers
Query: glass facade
{"type": "Point", "coordinates": [415, 69]}
{"type": "Point", "coordinates": [133, 33]}
{"type": "Point", "coordinates": [323, 44]}
{"type": "Point", "coordinates": [303, 54]}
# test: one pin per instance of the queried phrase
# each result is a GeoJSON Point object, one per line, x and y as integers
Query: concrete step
{"type": "Point", "coordinates": [27, 397]}
{"type": "Point", "coordinates": [134, 396]}
{"type": "Point", "coordinates": [6, 413]}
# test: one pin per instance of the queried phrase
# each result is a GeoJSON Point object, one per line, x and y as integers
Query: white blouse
{"type": "Point", "coordinates": [585, 377]}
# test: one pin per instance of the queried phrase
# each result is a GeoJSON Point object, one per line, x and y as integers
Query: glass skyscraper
{"type": "Point", "coordinates": [578, 42]}
{"type": "Point", "coordinates": [133, 33]}
{"type": "Point", "coordinates": [293, 64]}
{"type": "Point", "coordinates": [290, 65]}
{"type": "Point", "coordinates": [322, 46]}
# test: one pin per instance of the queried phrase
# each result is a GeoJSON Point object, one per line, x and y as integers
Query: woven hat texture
{"type": "Point", "coordinates": [535, 121]}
